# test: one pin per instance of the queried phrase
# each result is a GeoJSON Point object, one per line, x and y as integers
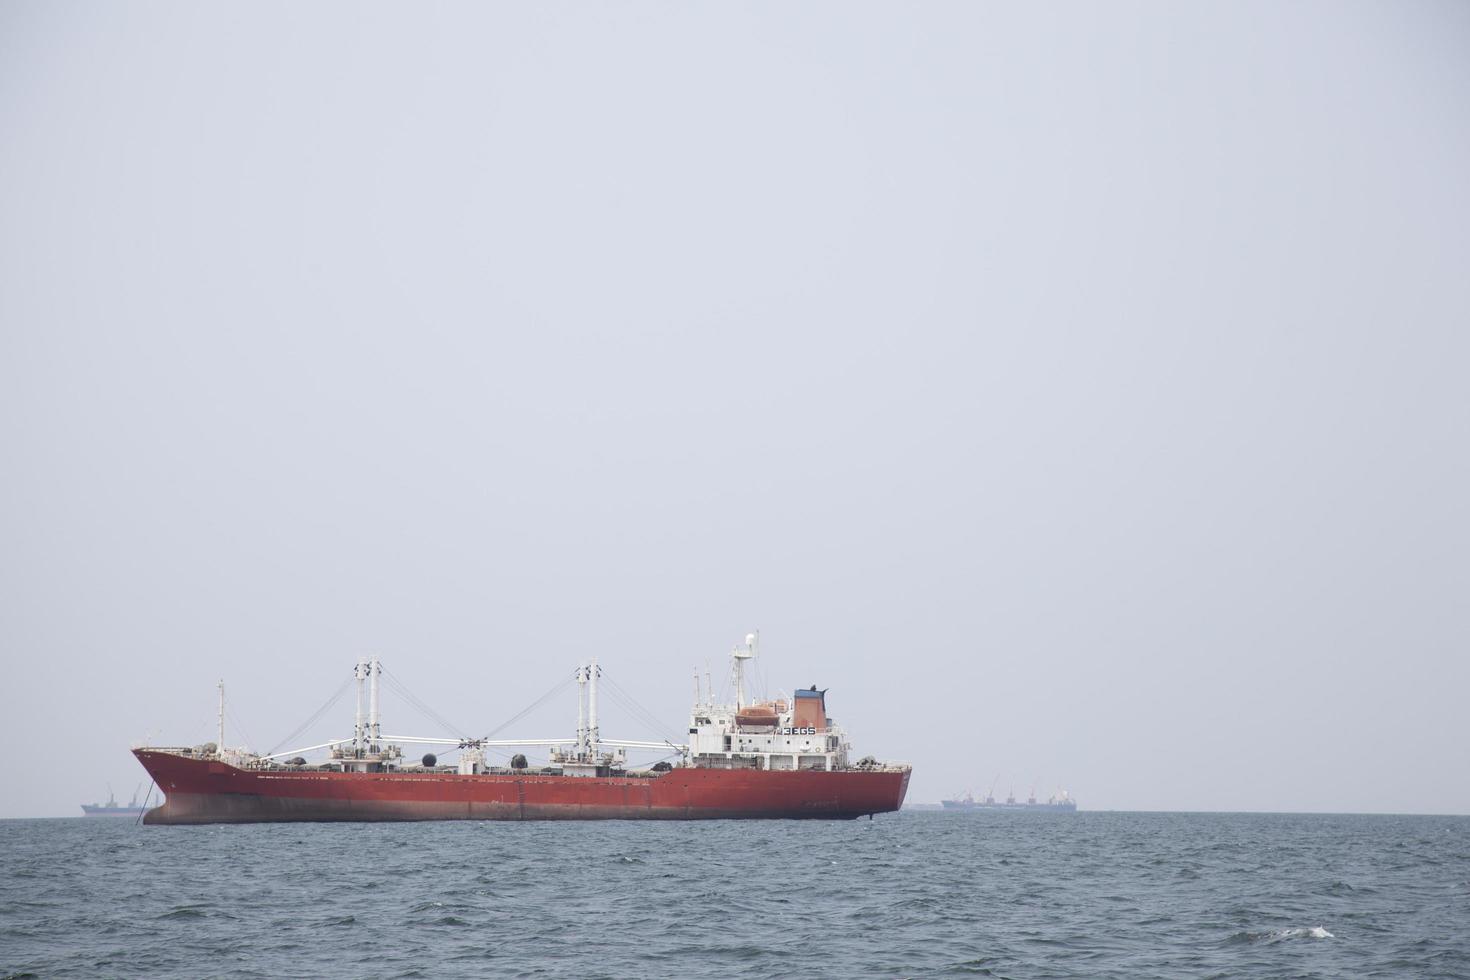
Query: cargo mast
{"type": "Point", "coordinates": [375, 668]}
{"type": "Point", "coordinates": [592, 733]}
{"type": "Point", "coordinates": [360, 672]}
{"type": "Point", "coordinates": [581, 712]}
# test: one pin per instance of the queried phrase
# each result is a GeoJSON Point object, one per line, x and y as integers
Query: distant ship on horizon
{"type": "Point", "coordinates": [1062, 802]}
{"type": "Point", "coordinates": [112, 808]}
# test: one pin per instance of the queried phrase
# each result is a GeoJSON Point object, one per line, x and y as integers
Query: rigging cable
{"type": "Point", "coordinates": [643, 714]}
{"type": "Point", "coordinates": [314, 718]}
{"type": "Point", "coordinates": [151, 785]}
{"type": "Point", "coordinates": [403, 692]}
{"type": "Point", "coordinates": [557, 689]}
{"type": "Point", "coordinates": [230, 714]}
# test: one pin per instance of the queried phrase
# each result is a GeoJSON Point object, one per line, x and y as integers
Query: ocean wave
{"type": "Point", "coordinates": [185, 912]}
{"type": "Point", "coordinates": [445, 907]}
{"type": "Point", "coordinates": [1084, 902]}
{"type": "Point", "coordinates": [1282, 935]}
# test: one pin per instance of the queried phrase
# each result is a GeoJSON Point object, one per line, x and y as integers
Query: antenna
{"type": "Point", "coordinates": [754, 640]}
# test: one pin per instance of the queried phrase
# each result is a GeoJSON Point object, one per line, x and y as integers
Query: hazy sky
{"type": "Point", "coordinates": [1078, 391]}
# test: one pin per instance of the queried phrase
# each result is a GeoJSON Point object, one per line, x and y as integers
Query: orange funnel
{"type": "Point", "coordinates": [811, 709]}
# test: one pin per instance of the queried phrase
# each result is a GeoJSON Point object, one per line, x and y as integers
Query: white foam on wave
{"type": "Point", "coordinates": [1315, 932]}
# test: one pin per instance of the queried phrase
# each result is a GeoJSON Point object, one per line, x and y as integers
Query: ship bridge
{"type": "Point", "coordinates": [783, 733]}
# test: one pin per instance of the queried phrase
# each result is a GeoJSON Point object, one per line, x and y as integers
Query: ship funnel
{"type": "Point", "coordinates": [811, 709]}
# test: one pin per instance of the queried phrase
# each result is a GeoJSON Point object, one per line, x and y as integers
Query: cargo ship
{"type": "Point", "coordinates": [112, 808]}
{"type": "Point", "coordinates": [1060, 803]}
{"type": "Point", "coordinates": [772, 759]}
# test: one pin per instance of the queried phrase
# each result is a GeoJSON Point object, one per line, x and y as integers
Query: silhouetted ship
{"type": "Point", "coordinates": [112, 808]}
{"type": "Point", "coordinates": [772, 759]}
{"type": "Point", "coordinates": [1061, 803]}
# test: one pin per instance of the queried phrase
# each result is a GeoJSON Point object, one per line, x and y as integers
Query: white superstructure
{"type": "Point", "coordinates": [784, 733]}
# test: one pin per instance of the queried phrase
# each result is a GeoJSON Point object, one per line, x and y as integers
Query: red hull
{"type": "Point", "coordinates": [204, 791]}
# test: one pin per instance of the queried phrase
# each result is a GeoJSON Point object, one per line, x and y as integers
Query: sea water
{"type": "Point", "coordinates": [915, 894]}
